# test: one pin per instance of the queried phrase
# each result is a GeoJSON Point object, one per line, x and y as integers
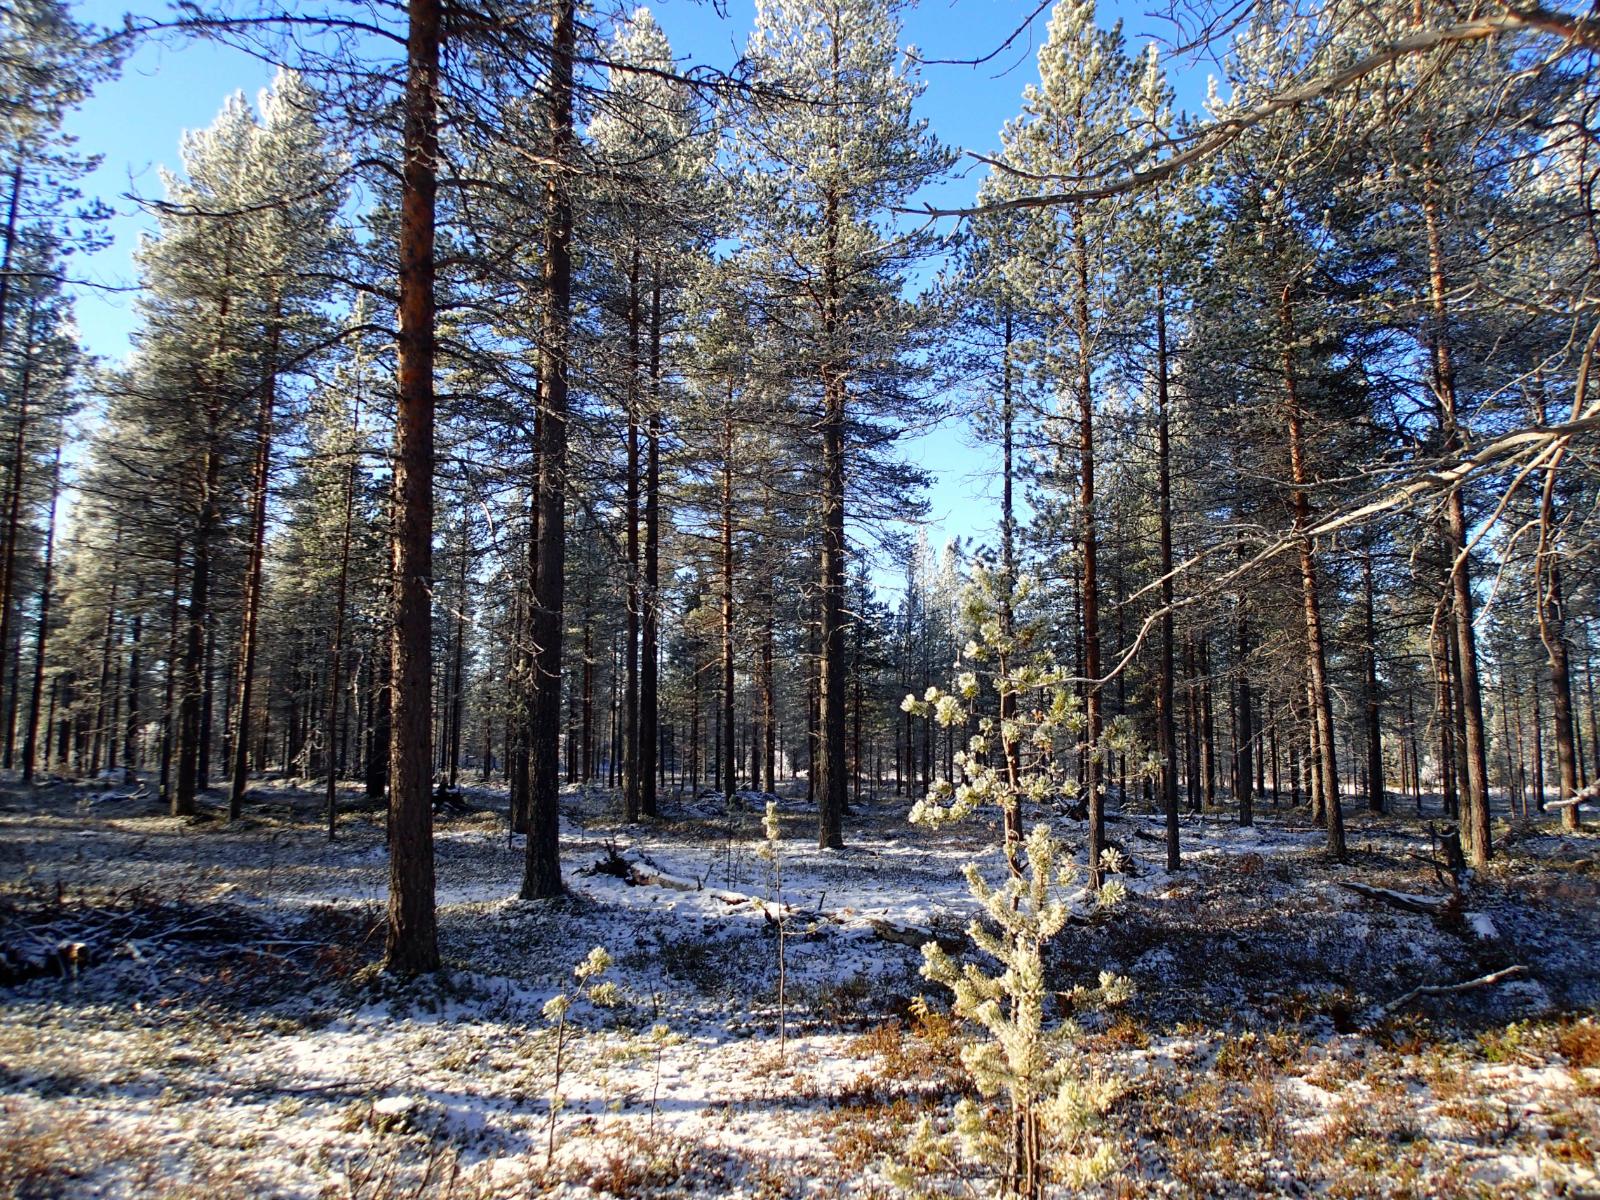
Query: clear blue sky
{"type": "Point", "coordinates": [136, 120]}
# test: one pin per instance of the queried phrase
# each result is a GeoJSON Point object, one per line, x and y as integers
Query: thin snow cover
{"type": "Point", "coordinates": [225, 1043]}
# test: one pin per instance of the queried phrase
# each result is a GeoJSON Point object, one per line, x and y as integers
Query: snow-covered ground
{"type": "Point", "coordinates": [220, 1033]}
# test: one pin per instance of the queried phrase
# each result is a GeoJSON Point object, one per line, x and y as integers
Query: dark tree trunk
{"type": "Point", "coordinates": [1320, 698]}
{"type": "Point", "coordinates": [630, 700]}
{"type": "Point", "coordinates": [190, 724]}
{"type": "Point", "coordinates": [15, 483]}
{"type": "Point", "coordinates": [41, 636]}
{"type": "Point", "coordinates": [252, 578]}
{"type": "Point", "coordinates": [1538, 750]}
{"type": "Point", "coordinates": [1243, 738]}
{"type": "Point", "coordinates": [169, 715]}
{"type": "Point", "coordinates": [411, 946]}
{"type": "Point", "coordinates": [1166, 731]}
{"type": "Point", "coordinates": [341, 602]}
{"type": "Point", "coordinates": [726, 757]}
{"type": "Point", "coordinates": [458, 667]}
{"type": "Point", "coordinates": [1375, 789]}
{"type": "Point", "coordinates": [542, 870]}
{"type": "Point", "coordinates": [1475, 777]}
{"type": "Point", "coordinates": [1552, 632]}
{"type": "Point", "coordinates": [649, 664]}
{"type": "Point", "coordinates": [829, 762]}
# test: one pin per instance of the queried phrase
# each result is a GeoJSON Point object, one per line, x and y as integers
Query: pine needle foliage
{"type": "Point", "coordinates": [1025, 1056]}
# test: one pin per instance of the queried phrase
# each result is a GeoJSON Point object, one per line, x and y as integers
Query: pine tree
{"type": "Point", "coordinates": [823, 170]}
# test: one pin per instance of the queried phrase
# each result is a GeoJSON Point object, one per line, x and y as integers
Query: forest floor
{"type": "Point", "coordinates": [188, 1009]}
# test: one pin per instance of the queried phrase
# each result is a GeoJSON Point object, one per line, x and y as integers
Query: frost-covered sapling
{"type": "Point", "coordinates": [660, 1037]}
{"type": "Point", "coordinates": [602, 993]}
{"type": "Point", "coordinates": [1052, 1105]}
{"type": "Point", "coordinates": [771, 850]}
{"type": "Point", "coordinates": [1038, 727]}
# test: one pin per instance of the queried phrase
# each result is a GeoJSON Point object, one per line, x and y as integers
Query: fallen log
{"type": "Point", "coordinates": [1432, 906]}
{"type": "Point", "coordinates": [632, 873]}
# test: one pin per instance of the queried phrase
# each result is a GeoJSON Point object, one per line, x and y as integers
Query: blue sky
{"type": "Point", "coordinates": [135, 122]}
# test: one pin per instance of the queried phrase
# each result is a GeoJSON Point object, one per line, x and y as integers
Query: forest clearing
{"type": "Point", "coordinates": [223, 1034]}
{"type": "Point", "coordinates": [770, 598]}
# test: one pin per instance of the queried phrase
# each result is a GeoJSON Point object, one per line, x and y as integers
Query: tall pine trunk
{"type": "Point", "coordinates": [541, 876]}
{"type": "Point", "coordinates": [190, 722]}
{"type": "Point", "coordinates": [41, 635]}
{"type": "Point", "coordinates": [630, 701]}
{"type": "Point", "coordinates": [1552, 632]}
{"type": "Point", "coordinates": [1375, 790]}
{"type": "Point", "coordinates": [1088, 542]}
{"type": "Point", "coordinates": [412, 943]}
{"type": "Point", "coordinates": [1166, 731]}
{"type": "Point", "coordinates": [341, 602]}
{"type": "Point", "coordinates": [15, 485]}
{"type": "Point", "coordinates": [726, 755]}
{"type": "Point", "coordinates": [649, 665]}
{"type": "Point", "coordinates": [1320, 696]}
{"type": "Point", "coordinates": [253, 576]}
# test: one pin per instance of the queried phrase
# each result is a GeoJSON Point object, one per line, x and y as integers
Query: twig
{"type": "Point", "coordinates": [1448, 989]}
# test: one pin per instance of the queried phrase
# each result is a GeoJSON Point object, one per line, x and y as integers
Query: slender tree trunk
{"type": "Point", "coordinates": [131, 754]}
{"type": "Point", "coordinates": [16, 482]}
{"type": "Point", "coordinates": [1375, 790]}
{"type": "Point", "coordinates": [169, 697]}
{"type": "Point", "coordinates": [855, 733]}
{"type": "Point", "coordinates": [1242, 735]}
{"type": "Point", "coordinates": [458, 670]}
{"type": "Point", "coordinates": [1594, 714]}
{"type": "Point", "coordinates": [1166, 732]}
{"type": "Point", "coordinates": [208, 702]}
{"type": "Point", "coordinates": [1552, 632]}
{"type": "Point", "coordinates": [630, 701]}
{"type": "Point", "coordinates": [412, 943]}
{"type": "Point", "coordinates": [379, 723]}
{"type": "Point", "coordinates": [1475, 796]}
{"type": "Point", "coordinates": [829, 761]}
{"type": "Point", "coordinates": [650, 666]}
{"type": "Point", "coordinates": [1538, 750]}
{"type": "Point", "coordinates": [695, 754]}
{"type": "Point", "coordinates": [252, 577]}
{"type": "Point", "coordinates": [341, 602]}
{"type": "Point", "coordinates": [1191, 761]}
{"type": "Point", "coordinates": [1316, 655]}
{"type": "Point", "coordinates": [586, 766]}
{"type": "Point", "coordinates": [725, 764]}
{"type": "Point", "coordinates": [1439, 647]}
{"type": "Point", "coordinates": [190, 725]}
{"type": "Point", "coordinates": [41, 635]}
{"type": "Point", "coordinates": [542, 870]}
{"type": "Point", "coordinates": [1088, 542]}
{"type": "Point", "coordinates": [769, 700]}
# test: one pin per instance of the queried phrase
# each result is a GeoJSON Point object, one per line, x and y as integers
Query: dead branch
{"type": "Point", "coordinates": [1450, 989]}
{"type": "Point", "coordinates": [1432, 906]}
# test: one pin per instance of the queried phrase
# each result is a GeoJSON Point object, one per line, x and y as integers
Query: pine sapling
{"type": "Point", "coordinates": [1040, 726]}
{"type": "Point", "coordinates": [772, 850]}
{"type": "Point", "coordinates": [660, 1037]}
